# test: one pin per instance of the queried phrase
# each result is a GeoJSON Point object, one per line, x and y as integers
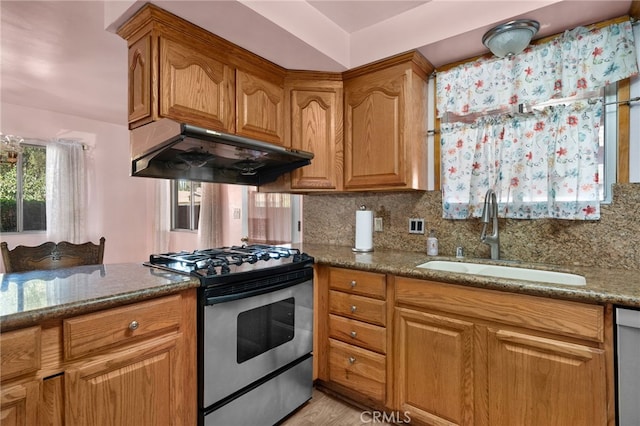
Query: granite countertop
{"type": "Point", "coordinates": [616, 286]}
{"type": "Point", "coordinates": [27, 298]}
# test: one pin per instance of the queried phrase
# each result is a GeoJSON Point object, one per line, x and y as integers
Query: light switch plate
{"type": "Point", "coordinates": [377, 224]}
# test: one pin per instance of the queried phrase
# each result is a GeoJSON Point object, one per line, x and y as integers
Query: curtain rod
{"type": "Point", "coordinates": [41, 141]}
{"type": "Point", "coordinates": [625, 102]}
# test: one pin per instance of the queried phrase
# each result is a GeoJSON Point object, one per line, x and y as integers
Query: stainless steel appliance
{"type": "Point", "coordinates": [628, 366]}
{"type": "Point", "coordinates": [255, 331]}
{"type": "Point", "coordinates": [172, 150]}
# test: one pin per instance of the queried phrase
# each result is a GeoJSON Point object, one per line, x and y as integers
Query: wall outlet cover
{"type": "Point", "coordinates": [416, 226]}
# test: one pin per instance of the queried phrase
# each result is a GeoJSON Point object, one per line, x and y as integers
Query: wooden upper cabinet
{"type": "Point", "coordinates": [140, 64]}
{"type": "Point", "coordinates": [316, 126]}
{"type": "Point", "coordinates": [194, 87]}
{"type": "Point", "coordinates": [385, 124]}
{"type": "Point", "coordinates": [180, 71]}
{"type": "Point", "coordinates": [259, 108]}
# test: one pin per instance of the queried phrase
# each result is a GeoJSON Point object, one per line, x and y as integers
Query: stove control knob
{"type": "Point", "coordinates": [134, 325]}
{"type": "Point", "coordinates": [354, 334]}
{"type": "Point", "coordinates": [353, 308]}
{"type": "Point", "coordinates": [353, 283]}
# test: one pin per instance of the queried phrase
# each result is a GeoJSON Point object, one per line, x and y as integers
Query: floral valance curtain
{"type": "Point", "coordinates": [581, 60]}
{"type": "Point", "coordinates": [543, 164]}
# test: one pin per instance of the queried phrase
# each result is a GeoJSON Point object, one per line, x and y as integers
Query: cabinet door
{"type": "Point", "coordinates": [315, 115]}
{"type": "Point", "coordinates": [19, 404]}
{"type": "Point", "coordinates": [540, 381]}
{"type": "Point", "coordinates": [195, 88]}
{"type": "Point", "coordinates": [259, 108]}
{"type": "Point", "coordinates": [374, 133]}
{"type": "Point", "coordinates": [141, 385]}
{"type": "Point", "coordinates": [434, 368]}
{"type": "Point", "coordinates": [140, 64]}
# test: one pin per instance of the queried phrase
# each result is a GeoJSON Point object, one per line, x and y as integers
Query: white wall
{"type": "Point", "coordinates": [119, 205]}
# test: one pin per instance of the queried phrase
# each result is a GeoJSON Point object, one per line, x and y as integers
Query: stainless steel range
{"type": "Point", "coordinates": [255, 331]}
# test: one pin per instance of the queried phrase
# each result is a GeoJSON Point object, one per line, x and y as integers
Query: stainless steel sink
{"type": "Point", "coordinates": [510, 272]}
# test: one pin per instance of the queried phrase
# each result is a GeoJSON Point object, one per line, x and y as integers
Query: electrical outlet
{"type": "Point", "coordinates": [237, 213]}
{"type": "Point", "coordinates": [416, 226]}
{"type": "Point", "coordinates": [377, 224]}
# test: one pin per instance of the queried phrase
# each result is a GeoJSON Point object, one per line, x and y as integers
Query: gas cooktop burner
{"type": "Point", "coordinates": [222, 265]}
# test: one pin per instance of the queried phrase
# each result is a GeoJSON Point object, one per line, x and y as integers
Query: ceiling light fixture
{"type": "Point", "coordinates": [10, 148]}
{"type": "Point", "coordinates": [510, 38]}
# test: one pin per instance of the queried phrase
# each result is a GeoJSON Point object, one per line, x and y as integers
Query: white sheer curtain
{"type": "Point", "coordinates": [66, 191]}
{"type": "Point", "coordinates": [269, 218]}
{"type": "Point", "coordinates": [209, 231]}
{"type": "Point", "coordinates": [162, 216]}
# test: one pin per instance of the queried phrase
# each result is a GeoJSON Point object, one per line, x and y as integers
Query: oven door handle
{"type": "Point", "coordinates": [213, 300]}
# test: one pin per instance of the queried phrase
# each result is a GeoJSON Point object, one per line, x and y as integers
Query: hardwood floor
{"type": "Point", "coordinates": [325, 410]}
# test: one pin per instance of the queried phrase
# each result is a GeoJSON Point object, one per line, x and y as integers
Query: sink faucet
{"type": "Point", "coordinates": [490, 211]}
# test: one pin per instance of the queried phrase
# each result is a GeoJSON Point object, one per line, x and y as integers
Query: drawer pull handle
{"type": "Point", "coordinates": [353, 308]}
{"type": "Point", "coordinates": [353, 283]}
{"type": "Point", "coordinates": [134, 325]}
{"type": "Point", "coordinates": [353, 334]}
{"type": "Point", "coordinates": [352, 360]}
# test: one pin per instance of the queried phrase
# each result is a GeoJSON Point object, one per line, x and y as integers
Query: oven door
{"type": "Point", "coordinates": [246, 339]}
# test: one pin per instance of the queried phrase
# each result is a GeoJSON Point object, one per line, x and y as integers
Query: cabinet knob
{"type": "Point", "coordinates": [134, 325]}
{"type": "Point", "coordinates": [351, 360]}
{"type": "Point", "coordinates": [353, 283]}
{"type": "Point", "coordinates": [354, 334]}
{"type": "Point", "coordinates": [353, 308]}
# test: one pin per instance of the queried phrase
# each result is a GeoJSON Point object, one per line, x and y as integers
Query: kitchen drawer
{"type": "Point", "coordinates": [358, 369]}
{"type": "Point", "coordinates": [358, 282]}
{"type": "Point", "coordinates": [20, 352]}
{"type": "Point", "coordinates": [561, 317]}
{"type": "Point", "coordinates": [101, 330]}
{"type": "Point", "coordinates": [358, 333]}
{"type": "Point", "coordinates": [358, 307]}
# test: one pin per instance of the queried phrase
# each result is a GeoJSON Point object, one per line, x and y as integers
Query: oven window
{"type": "Point", "coordinates": [265, 328]}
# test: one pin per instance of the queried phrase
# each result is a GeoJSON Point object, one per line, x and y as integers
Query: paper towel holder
{"type": "Point", "coordinates": [362, 250]}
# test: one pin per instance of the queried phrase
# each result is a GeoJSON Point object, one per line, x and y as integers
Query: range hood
{"type": "Point", "coordinates": [171, 150]}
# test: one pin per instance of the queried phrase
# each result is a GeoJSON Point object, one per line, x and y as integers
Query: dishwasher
{"type": "Point", "coordinates": [628, 366]}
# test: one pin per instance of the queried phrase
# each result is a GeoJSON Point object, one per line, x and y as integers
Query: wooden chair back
{"type": "Point", "coordinates": [51, 255]}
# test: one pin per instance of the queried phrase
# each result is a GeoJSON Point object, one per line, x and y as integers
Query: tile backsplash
{"type": "Point", "coordinates": [613, 241]}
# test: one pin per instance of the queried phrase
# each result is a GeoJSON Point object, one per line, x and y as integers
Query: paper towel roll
{"type": "Point", "coordinates": [364, 231]}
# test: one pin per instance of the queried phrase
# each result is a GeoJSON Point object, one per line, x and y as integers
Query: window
{"type": "Point", "coordinates": [267, 218]}
{"type": "Point", "coordinates": [552, 161]}
{"type": "Point", "coordinates": [23, 191]}
{"type": "Point", "coordinates": [607, 135]}
{"type": "Point", "coordinates": [185, 202]}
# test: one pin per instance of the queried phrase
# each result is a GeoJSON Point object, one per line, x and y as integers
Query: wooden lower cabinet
{"type": "Point", "coordinates": [434, 367]}
{"type": "Point", "coordinates": [129, 365]}
{"type": "Point", "coordinates": [540, 381]}
{"type": "Point", "coordinates": [353, 335]}
{"type": "Point", "coordinates": [466, 356]}
{"type": "Point", "coordinates": [136, 386]}
{"type": "Point", "coordinates": [19, 404]}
